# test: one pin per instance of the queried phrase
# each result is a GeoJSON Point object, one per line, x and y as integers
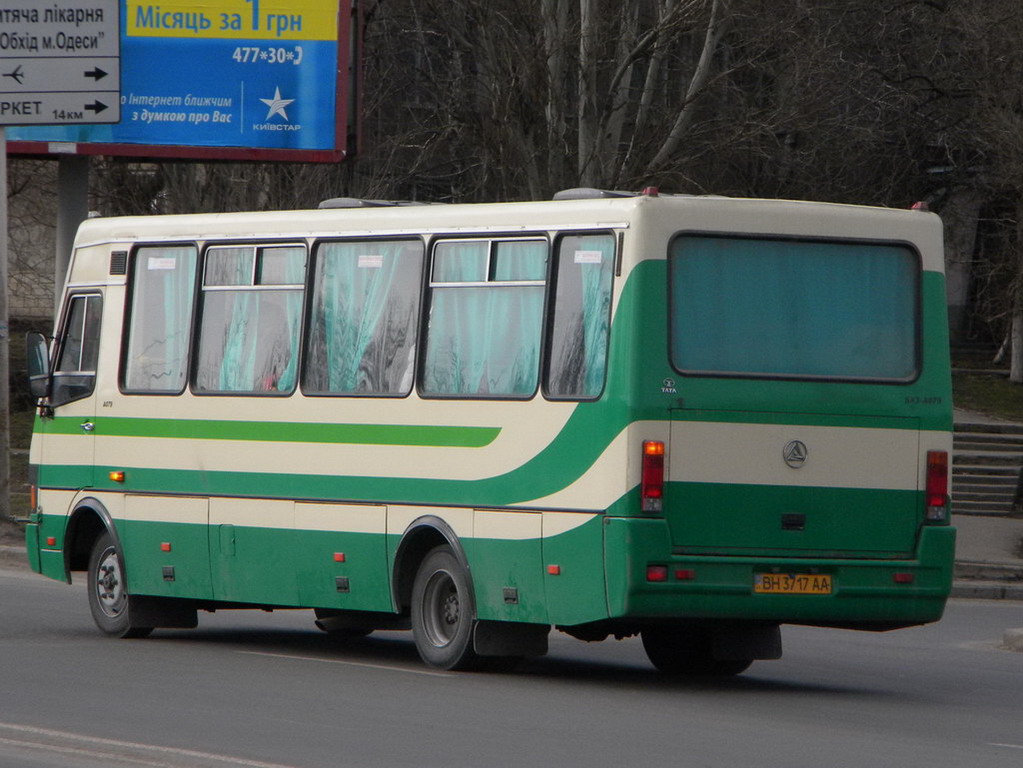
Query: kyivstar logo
{"type": "Point", "coordinates": [276, 115]}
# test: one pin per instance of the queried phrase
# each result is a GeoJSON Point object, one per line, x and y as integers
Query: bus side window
{"type": "Point", "coordinates": [162, 291]}
{"type": "Point", "coordinates": [363, 318]}
{"type": "Point", "coordinates": [485, 318]}
{"type": "Point", "coordinates": [251, 318]}
{"type": "Point", "coordinates": [75, 374]}
{"type": "Point", "coordinates": [581, 317]}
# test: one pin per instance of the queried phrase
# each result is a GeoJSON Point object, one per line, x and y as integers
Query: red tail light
{"type": "Point", "coordinates": [657, 573]}
{"type": "Point", "coordinates": [937, 486]}
{"type": "Point", "coordinates": [652, 487]}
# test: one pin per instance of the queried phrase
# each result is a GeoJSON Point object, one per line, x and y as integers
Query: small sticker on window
{"type": "Point", "coordinates": [588, 257]}
{"type": "Point", "coordinates": [162, 262]}
{"type": "Point", "coordinates": [370, 261]}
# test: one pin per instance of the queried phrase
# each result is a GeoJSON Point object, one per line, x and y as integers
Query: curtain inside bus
{"type": "Point", "coordinates": [484, 337]}
{"type": "Point", "coordinates": [365, 311]}
{"type": "Point", "coordinates": [249, 336]}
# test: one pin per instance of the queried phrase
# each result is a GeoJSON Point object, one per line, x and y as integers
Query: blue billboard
{"type": "Point", "coordinates": [236, 79]}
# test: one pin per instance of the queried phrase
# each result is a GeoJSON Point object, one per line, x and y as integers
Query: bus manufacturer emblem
{"type": "Point", "coordinates": [794, 453]}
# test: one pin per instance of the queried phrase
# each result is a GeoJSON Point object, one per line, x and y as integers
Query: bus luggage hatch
{"type": "Point", "coordinates": [792, 484]}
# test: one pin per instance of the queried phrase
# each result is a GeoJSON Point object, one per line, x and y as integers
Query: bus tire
{"type": "Point", "coordinates": [443, 612]}
{"type": "Point", "coordinates": [688, 652]}
{"type": "Point", "coordinates": [109, 600]}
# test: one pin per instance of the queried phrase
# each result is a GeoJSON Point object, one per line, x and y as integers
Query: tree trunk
{"type": "Point", "coordinates": [589, 134]}
{"type": "Point", "coordinates": [1016, 365]}
{"type": "Point", "coordinates": [715, 29]}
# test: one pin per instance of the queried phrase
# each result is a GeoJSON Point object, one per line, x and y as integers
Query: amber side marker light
{"type": "Point", "coordinates": [117, 475]}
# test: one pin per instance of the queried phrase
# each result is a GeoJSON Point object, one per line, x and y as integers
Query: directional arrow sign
{"type": "Point", "coordinates": [60, 63]}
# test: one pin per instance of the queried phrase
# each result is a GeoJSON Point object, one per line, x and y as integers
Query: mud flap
{"type": "Point", "coordinates": [162, 612]}
{"type": "Point", "coordinates": [506, 638]}
{"type": "Point", "coordinates": [743, 640]}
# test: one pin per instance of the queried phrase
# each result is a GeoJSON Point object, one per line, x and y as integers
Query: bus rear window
{"type": "Point", "coordinates": [793, 309]}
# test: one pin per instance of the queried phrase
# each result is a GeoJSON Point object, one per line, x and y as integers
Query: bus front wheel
{"type": "Point", "coordinates": [443, 614]}
{"type": "Point", "coordinates": [109, 600]}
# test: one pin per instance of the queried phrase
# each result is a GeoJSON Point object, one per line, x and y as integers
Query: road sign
{"type": "Point", "coordinates": [60, 63]}
{"type": "Point", "coordinates": [226, 79]}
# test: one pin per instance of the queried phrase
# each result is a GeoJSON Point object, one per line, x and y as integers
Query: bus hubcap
{"type": "Point", "coordinates": [441, 609]}
{"type": "Point", "coordinates": [109, 589]}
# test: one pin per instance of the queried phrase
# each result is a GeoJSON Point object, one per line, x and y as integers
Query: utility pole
{"type": "Point", "coordinates": [5, 344]}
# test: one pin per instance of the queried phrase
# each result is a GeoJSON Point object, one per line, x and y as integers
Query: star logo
{"type": "Point", "coordinates": [277, 105]}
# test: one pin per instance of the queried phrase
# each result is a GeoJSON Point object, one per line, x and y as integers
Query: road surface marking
{"type": "Point", "coordinates": [73, 743]}
{"type": "Point", "coordinates": [350, 663]}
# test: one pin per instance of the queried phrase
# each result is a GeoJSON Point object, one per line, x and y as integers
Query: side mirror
{"type": "Point", "coordinates": [38, 363]}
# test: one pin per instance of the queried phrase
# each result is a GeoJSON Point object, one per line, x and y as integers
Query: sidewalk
{"type": "Point", "coordinates": [989, 550]}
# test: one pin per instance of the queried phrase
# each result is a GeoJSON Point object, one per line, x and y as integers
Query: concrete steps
{"type": "Point", "coordinates": [986, 462]}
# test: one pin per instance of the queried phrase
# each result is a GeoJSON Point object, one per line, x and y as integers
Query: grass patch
{"type": "Point", "coordinates": [990, 394]}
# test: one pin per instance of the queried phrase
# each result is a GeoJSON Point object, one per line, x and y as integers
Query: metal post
{"type": "Point", "coordinates": [5, 344]}
{"type": "Point", "coordinates": [72, 210]}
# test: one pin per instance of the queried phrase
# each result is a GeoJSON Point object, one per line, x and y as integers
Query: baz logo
{"type": "Point", "coordinates": [794, 453]}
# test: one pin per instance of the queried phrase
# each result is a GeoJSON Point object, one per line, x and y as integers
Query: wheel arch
{"type": "Point", "coordinates": [89, 520]}
{"type": "Point", "coordinates": [420, 537]}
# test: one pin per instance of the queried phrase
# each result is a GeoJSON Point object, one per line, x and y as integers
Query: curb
{"type": "Point", "coordinates": [971, 570]}
{"type": "Point", "coordinates": [988, 590]}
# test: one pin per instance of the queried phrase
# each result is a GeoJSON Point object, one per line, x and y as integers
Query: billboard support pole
{"type": "Point", "coordinates": [5, 339]}
{"type": "Point", "coordinates": [72, 210]}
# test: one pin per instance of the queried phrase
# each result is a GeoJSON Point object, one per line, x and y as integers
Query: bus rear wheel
{"type": "Point", "coordinates": [443, 612]}
{"type": "Point", "coordinates": [109, 600]}
{"type": "Point", "coordinates": [688, 652]}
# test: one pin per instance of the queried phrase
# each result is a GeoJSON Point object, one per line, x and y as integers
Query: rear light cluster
{"type": "Point", "coordinates": [656, 572]}
{"type": "Point", "coordinates": [652, 485]}
{"type": "Point", "coordinates": [936, 489]}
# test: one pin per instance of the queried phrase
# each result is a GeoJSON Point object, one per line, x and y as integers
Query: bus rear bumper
{"type": "Point", "coordinates": [862, 593]}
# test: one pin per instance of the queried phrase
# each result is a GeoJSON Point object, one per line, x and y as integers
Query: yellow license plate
{"type": "Point", "coordinates": [792, 583]}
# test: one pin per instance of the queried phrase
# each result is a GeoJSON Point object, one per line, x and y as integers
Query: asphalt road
{"type": "Point", "coordinates": [260, 690]}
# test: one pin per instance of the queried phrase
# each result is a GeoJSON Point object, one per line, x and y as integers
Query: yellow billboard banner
{"type": "Point", "coordinates": [234, 19]}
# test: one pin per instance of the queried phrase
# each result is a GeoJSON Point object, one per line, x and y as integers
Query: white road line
{"type": "Point", "coordinates": [1006, 746]}
{"type": "Point", "coordinates": [350, 663]}
{"type": "Point", "coordinates": [85, 752]}
{"type": "Point", "coordinates": [76, 740]}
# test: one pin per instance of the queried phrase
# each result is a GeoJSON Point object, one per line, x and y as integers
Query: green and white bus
{"type": "Point", "coordinates": [692, 419]}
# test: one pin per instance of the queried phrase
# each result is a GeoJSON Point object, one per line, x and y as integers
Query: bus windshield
{"type": "Point", "coordinates": [794, 308]}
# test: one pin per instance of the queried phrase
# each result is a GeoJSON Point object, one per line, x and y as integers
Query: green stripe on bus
{"type": "Point", "coordinates": [290, 432]}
